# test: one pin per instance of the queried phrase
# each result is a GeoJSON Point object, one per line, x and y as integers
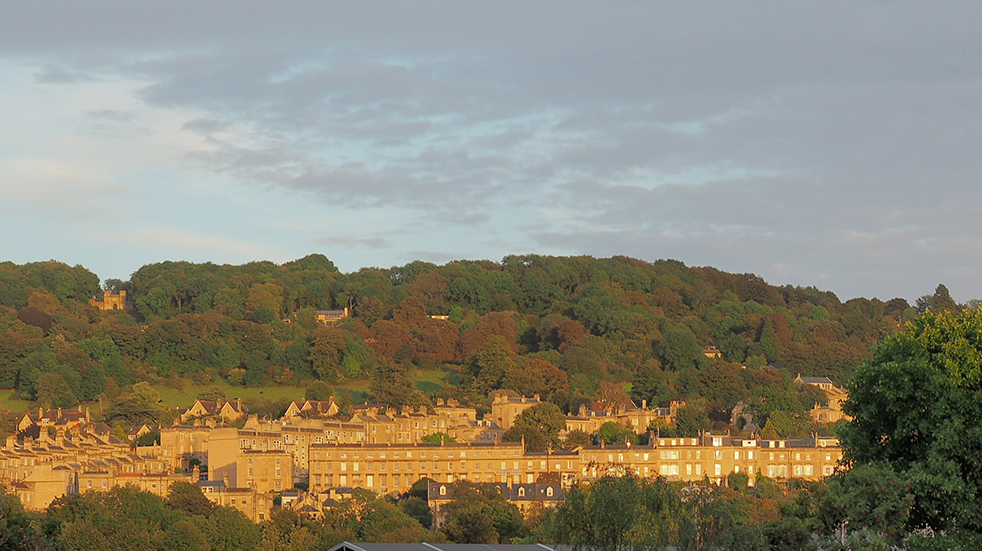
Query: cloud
{"type": "Point", "coordinates": [111, 115]}
{"type": "Point", "coordinates": [354, 242]}
{"type": "Point", "coordinates": [166, 239]}
{"type": "Point", "coordinates": [206, 126]}
{"type": "Point", "coordinates": [831, 142]}
{"type": "Point", "coordinates": [72, 187]}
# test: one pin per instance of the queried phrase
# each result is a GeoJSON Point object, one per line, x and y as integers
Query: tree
{"type": "Point", "coordinates": [678, 349]}
{"type": "Point", "coordinates": [187, 497]}
{"type": "Point", "coordinates": [940, 301]}
{"type": "Point", "coordinates": [318, 390]}
{"type": "Point", "coordinates": [391, 385]}
{"type": "Point", "coordinates": [17, 530]}
{"type": "Point", "coordinates": [540, 424]}
{"type": "Point", "coordinates": [613, 434]}
{"type": "Point", "coordinates": [53, 391]}
{"type": "Point", "coordinates": [915, 408]}
{"type": "Point", "coordinates": [142, 405]}
{"type": "Point", "coordinates": [325, 353]}
{"type": "Point", "coordinates": [619, 513]}
{"type": "Point", "coordinates": [691, 419]}
{"type": "Point", "coordinates": [480, 514]}
{"type": "Point", "coordinates": [867, 497]}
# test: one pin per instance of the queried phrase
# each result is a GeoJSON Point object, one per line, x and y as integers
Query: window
{"type": "Point", "coordinates": [549, 491]}
{"type": "Point", "coordinates": [443, 490]}
{"type": "Point", "coordinates": [719, 469]}
{"type": "Point", "coordinates": [668, 470]}
{"type": "Point", "coordinates": [669, 454]}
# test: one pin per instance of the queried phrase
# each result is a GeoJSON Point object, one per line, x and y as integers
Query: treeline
{"type": "Point", "coordinates": [124, 518]}
{"type": "Point", "coordinates": [572, 329]}
{"type": "Point", "coordinates": [866, 508]}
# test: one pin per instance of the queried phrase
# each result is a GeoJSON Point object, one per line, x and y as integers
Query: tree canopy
{"type": "Point", "coordinates": [916, 409]}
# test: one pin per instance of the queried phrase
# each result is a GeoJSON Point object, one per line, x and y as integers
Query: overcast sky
{"type": "Point", "coordinates": [834, 144]}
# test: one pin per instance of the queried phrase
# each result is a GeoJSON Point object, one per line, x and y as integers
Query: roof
{"type": "Point", "coordinates": [348, 546]}
{"type": "Point", "coordinates": [816, 380]}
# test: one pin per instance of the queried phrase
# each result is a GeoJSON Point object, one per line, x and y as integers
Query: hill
{"type": "Point", "coordinates": [572, 329]}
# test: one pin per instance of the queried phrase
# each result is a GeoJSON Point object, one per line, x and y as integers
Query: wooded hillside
{"type": "Point", "coordinates": [572, 329]}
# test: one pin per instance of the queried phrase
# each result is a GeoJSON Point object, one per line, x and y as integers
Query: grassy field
{"type": "Point", "coordinates": [13, 405]}
{"type": "Point", "coordinates": [424, 380]}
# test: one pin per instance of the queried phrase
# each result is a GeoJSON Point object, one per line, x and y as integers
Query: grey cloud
{"type": "Point", "coordinates": [111, 115]}
{"type": "Point", "coordinates": [349, 241]}
{"type": "Point", "coordinates": [205, 126]}
{"type": "Point", "coordinates": [819, 141]}
{"type": "Point", "coordinates": [60, 75]}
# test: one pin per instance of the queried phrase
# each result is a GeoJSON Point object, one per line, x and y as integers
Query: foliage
{"type": "Point", "coordinates": [915, 406]}
{"type": "Point", "coordinates": [539, 425]}
{"type": "Point", "coordinates": [612, 514]}
{"type": "Point", "coordinates": [480, 514]}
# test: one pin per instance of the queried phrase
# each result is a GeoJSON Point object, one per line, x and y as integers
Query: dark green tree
{"type": "Point", "coordinates": [915, 408]}
{"type": "Point", "coordinates": [618, 514]}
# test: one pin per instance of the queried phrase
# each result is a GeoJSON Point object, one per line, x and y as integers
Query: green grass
{"type": "Point", "coordinates": [12, 404]}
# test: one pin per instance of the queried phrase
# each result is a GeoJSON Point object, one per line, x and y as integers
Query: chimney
{"type": "Point", "coordinates": [238, 404]}
{"type": "Point", "coordinates": [59, 413]}
{"type": "Point", "coordinates": [88, 416]}
{"type": "Point", "coordinates": [11, 441]}
{"type": "Point", "coordinates": [225, 479]}
{"type": "Point", "coordinates": [195, 474]}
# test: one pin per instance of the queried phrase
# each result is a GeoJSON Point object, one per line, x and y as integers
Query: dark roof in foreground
{"type": "Point", "coordinates": [348, 546]}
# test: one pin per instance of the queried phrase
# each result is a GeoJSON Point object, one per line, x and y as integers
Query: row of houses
{"type": "Point", "coordinates": [378, 449]}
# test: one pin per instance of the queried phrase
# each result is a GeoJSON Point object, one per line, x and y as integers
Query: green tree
{"type": "Point", "coordinates": [325, 353]}
{"type": "Point", "coordinates": [187, 497]}
{"type": "Point", "coordinates": [390, 384]}
{"type": "Point", "coordinates": [540, 425]}
{"type": "Point", "coordinates": [940, 301]}
{"type": "Point", "coordinates": [691, 419]}
{"type": "Point", "coordinates": [230, 530]}
{"type": "Point", "coordinates": [141, 405]}
{"type": "Point", "coordinates": [17, 528]}
{"type": "Point", "coordinates": [915, 407]}
{"type": "Point", "coordinates": [53, 391]}
{"type": "Point", "coordinates": [678, 349]}
{"type": "Point", "coordinates": [614, 434]}
{"type": "Point", "coordinates": [619, 513]}
{"type": "Point", "coordinates": [865, 498]}
{"type": "Point", "coordinates": [480, 514]}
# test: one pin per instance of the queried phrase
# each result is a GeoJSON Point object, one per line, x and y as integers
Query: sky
{"type": "Point", "coordinates": [833, 144]}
